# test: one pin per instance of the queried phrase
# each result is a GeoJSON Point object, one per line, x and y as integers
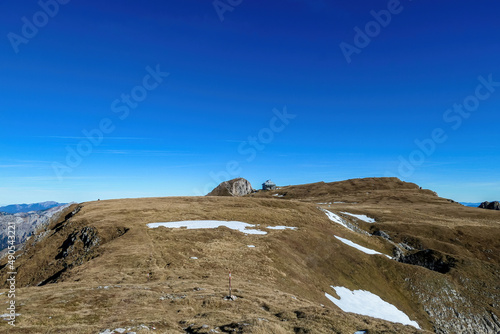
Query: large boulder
{"type": "Point", "coordinates": [234, 187]}
{"type": "Point", "coordinates": [490, 205]}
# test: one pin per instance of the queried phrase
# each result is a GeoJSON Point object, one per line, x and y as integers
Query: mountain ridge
{"type": "Point", "coordinates": [26, 223]}
{"type": "Point", "coordinates": [434, 260]}
{"type": "Point", "coordinates": [20, 208]}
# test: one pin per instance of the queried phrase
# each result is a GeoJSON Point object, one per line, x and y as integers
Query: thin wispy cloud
{"type": "Point", "coordinates": [12, 163]}
{"type": "Point", "coordinates": [55, 178]}
{"type": "Point", "coordinates": [82, 137]}
{"type": "Point", "coordinates": [145, 152]}
{"type": "Point", "coordinates": [317, 165]}
{"type": "Point", "coordinates": [19, 161]}
{"type": "Point", "coordinates": [482, 184]}
{"type": "Point", "coordinates": [438, 163]}
{"type": "Point", "coordinates": [16, 166]}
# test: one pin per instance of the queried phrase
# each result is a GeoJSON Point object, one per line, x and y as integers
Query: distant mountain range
{"type": "Point", "coordinates": [26, 223]}
{"type": "Point", "coordinates": [472, 205]}
{"type": "Point", "coordinates": [18, 208]}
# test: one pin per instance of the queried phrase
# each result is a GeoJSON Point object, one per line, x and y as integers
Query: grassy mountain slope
{"type": "Point", "coordinates": [102, 267]}
{"type": "Point", "coordinates": [467, 238]}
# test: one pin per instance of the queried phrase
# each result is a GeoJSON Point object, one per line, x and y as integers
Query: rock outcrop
{"type": "Point", "coordinates": [235, 187]}
{"type": "Point", "coordinates": [490, 205]}
{"type": "Point", "coordinates": [26, 223]}
{"type": "Point", "coordinates": [430, 259]}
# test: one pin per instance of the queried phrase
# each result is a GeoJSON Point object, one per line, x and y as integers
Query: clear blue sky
{"type": "Point", "coordinates": [354, 84]}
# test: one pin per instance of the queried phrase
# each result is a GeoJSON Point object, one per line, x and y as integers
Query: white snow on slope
{"type": "Point", "coordinates": [199, 224]}
{"type": "Point", "coordinates": [334, 218]}
{"type": "Point", "coordinates": [235, 225]}
{"type": "Point", "coordinates": [360, 217]}
{"type": "Point", "coordinates": [361, 248]}
{"type": "Point", "coordinates": [7, 316]}
{"type": "Point", "coordinates": [281, 228]}
{"type": "Point", "coordinates": [366, 303]}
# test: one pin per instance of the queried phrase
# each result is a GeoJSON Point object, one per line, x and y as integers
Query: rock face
{"type": "Point", "coordinates": [25, 223]}
{"type": "Point", "coordinates": [429, 259]}
{"type": "Point", "coordinates": [490, 205]}
{"type": "Point", "coordinates": [87, 237]}
{"type": "Point", "coordinates": [234, 187]}
{"type": "Point", "coordinates": [451, 310]}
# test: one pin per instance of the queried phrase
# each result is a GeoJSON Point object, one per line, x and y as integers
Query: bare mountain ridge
{"type": "Point", "coordinates": [18, 208]}
{"type": "Point", "coordinates": [353, 190]}
{"type": "Point", "coordinates": [102, 256]}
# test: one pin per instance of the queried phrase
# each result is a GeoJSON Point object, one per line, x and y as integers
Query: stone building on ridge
{"type": "Point", "coordinates": [268, 185]}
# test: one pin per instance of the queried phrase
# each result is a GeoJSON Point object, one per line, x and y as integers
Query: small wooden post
{"type": "Point", "coordinates": [230, 292]}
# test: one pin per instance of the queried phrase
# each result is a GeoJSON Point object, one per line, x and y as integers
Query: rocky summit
{"type": "Point", "coordinates": [490, 205]}
{"type": "Point", "coordinates": [374, 255]}
{"type": "Point", "coordinates": [234, 187]}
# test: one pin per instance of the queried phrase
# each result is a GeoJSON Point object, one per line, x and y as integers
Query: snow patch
{"type": "Point", "coordinates": [235, 225]}
{"type": "Point", "coordinates": [202, 224]}
{"type": "Point", "coordinates": [7, 316]}
{"type": "Point", "coordinates": [335, 218]}
{"type": "Point", "coordinates": [366, 303]}
{"type": "Point", "coordinates": [127, 330]}
{"type": "Point", "coordinates": [281, 228]}
{"type": "Point", "coordinates": [115, 331]}
{"type": "Point", "coordinates": [361, 248]}
{"type": "Point", "coordinates": [361, 217]}
{"type": "Point", "coordinates": [251, 246]}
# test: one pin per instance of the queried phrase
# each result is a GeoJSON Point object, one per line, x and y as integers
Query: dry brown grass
{"type": "Point", "coordinates": [264, 327]}
{"type": "Point", "coordinates": [280, 283]}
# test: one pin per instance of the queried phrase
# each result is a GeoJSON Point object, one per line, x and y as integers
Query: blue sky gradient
{"type": "Point", "coordinates": [267, 92]}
